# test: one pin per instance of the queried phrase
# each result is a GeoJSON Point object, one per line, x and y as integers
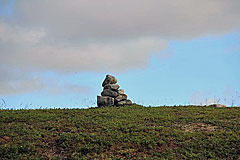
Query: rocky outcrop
{"type": "Point", "coordinates": [111, 94]}
{"type": "Point", "coordinates": [218, 105]}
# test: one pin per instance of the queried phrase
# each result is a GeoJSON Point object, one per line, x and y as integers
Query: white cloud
{"type": "Point", "coordinates": [13, 81]}
{"type": "Point", "coordinates": [33, 53]}
{"type": "Point", "coordinates": [19, 36]}
{"type": "Point", "coordinates": [17, 82]}
{"type": "Point", "coordinates": [58, 89]}
{"type": "Point", "coordinates": [80, 19]}
{"type": "Point", "coordinates": [81, 35]}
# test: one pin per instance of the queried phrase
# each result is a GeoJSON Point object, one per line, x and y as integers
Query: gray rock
{"type": "Point", "coordinates": [121, 97]}
{"type": "Point", "coordinates": [110, 93]}
{"type": "Point", "coordinates": [112, 86]}
{"type": "Point", "coordinates": [109, 80]}
{"type": "Point", "coordinates": [121, 91]}
{"type": "Point", "coordinates": [128, 102]}
{"type": "Point", "coordinates": [105, 101]}
{"type": "Point", "coordinates": [218, 105]}
{"type": "Point", "coordinates": [125, 102]}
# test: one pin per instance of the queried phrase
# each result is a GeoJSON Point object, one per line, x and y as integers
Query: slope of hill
{"type": "Point", "coordinates": [131, 132]}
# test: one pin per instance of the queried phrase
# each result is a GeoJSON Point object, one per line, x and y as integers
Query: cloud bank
{"type": "Point", "coordinates": [83, 19]}
{"type": "Point", "coordinates": [80, 35]}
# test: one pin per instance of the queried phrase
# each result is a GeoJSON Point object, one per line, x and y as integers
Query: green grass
{"type": "Point", "coordinates": [131, 132]}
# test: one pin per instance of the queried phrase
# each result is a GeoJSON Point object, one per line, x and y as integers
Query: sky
{"type": "Point", "coordinates": [55, 54]}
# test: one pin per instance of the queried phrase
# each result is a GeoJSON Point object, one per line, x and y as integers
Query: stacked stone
{"type": "Point", "coordinates": [111, 94]}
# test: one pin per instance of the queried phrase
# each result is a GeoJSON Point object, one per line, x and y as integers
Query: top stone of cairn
{"type": "Point", "coordinates": [109, 80]}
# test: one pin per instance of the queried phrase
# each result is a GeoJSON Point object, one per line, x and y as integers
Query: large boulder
{"type": "Point", "coordinates": [110, 93]}
{"type": "Point", "coordinates": [121, 97]}
{"type": "Point", "coordinates": [125, 102]}
{"type": "Point", "coordinates": [105, 101]}
{"type": "Point", "coordinates": [112, 86]}
{"type": "Point", "coordinates": [109, 80]}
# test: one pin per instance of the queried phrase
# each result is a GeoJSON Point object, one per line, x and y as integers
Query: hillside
{"type": "Point", "coordinates": [133, 132]}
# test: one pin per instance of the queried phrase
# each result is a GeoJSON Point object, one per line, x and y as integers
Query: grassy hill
{"type": "Point", "coordinates": [131, 132]}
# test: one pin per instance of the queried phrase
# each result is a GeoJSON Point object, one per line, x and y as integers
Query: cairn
{"type": "Point", "coordinates": [111, 94]}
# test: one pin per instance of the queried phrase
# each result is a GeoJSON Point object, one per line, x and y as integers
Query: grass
{"type": "Point", "coordinates": [131, 132]}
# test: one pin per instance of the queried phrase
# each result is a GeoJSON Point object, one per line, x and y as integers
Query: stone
{"type": "Point", "coordinates": [128, 102]}
{"type": "Point", "coordinates": [2, 141]}
{"type": "Point", "coordinates": [109, 80]}
{"type": "Point", "coordinates": [110, 93]}
{"type": "Point", "coordinates": [121, 97]}
{"type": "Point", "coordinates": [125, 102]}
{"type": "Point", "coordinates": [6, 138]}
{"type": "Point", "coordinates": [105, 101]}
{"type": "Point", "coordinates": [121, 91]}
{"type": "Point", "coordinates": [218, 105]}
{"type": "Point", "coordinates": [112, 86]}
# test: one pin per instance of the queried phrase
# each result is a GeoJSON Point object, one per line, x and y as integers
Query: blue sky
{"type": "Point", "coordinates": [47, 65]}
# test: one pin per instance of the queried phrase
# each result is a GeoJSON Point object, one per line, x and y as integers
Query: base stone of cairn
{"type": "Point", "coordinates": [111, 94]}
{"type": "Point", "coordinates": [105, 101]}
